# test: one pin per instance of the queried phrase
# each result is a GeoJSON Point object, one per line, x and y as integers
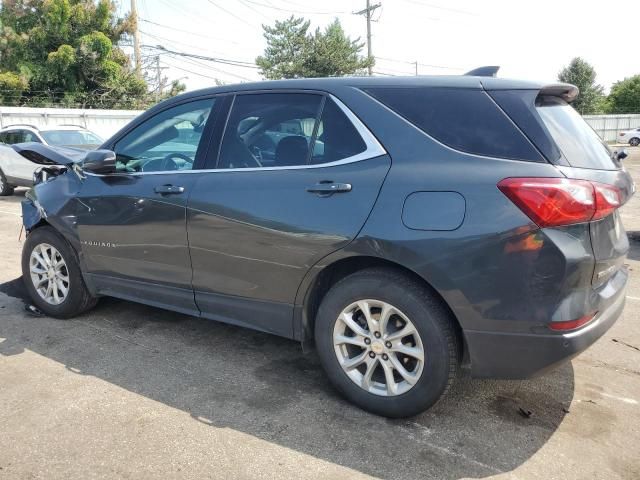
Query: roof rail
{"type": "Point", "coordinates": [71, 125]}
{"type": "Point", "coordinates": [20, 125]}
{"type": "Point", "coordinates": [489, 71]}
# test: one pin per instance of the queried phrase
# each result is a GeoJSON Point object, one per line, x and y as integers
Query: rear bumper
{"type": "Point", "coordinates": [520, 356]}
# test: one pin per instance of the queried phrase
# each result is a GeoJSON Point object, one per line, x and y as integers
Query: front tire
{"type": "Point", "coordinates": [52, 275]}
{"type": "Point", "coordinates": [387, 343]}
{"type": "Point", "coordinates": [5, 188]}
{"type": "Point", "coordinates": [634, 142]}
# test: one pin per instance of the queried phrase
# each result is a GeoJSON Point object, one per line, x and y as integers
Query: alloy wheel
{"type": "Point", "coordinates": [378, 347]}
{"type": "Point", "coordinates": [49, 273]}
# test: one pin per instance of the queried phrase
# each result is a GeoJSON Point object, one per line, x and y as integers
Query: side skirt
{"type": "Point", "coordinates": [269, 317]}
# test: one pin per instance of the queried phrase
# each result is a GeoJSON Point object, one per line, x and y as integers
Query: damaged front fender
{"type": "Point", "coordinates": [54, 203]}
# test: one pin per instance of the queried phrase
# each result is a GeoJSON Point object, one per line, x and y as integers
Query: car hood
{"type": "Point", "coordinates": [49, 155]}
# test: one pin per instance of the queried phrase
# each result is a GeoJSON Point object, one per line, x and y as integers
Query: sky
{"type": "Point", "coordinates": [530, 40]}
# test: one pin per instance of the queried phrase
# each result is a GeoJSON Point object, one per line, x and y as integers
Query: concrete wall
{"type": "Point", "coordinates": [609, 126]}
{"type": "Point", "coordinates": [103, 122]}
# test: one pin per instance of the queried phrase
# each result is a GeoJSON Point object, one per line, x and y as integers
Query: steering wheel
{"type": "Point", "coordinates": [168, 160]}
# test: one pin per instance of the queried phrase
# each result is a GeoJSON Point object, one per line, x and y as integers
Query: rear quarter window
{"type": "Point", "coordinates": [464, 119]}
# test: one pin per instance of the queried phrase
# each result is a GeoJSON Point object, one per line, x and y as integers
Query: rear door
{"type": "Point", "coordinates": [295, 179]}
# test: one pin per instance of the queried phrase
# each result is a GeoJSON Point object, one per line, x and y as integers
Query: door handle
{"type": "Point", "coordinates": [169, 189]}
{"type": "Point", "coordinates": [329, 188]}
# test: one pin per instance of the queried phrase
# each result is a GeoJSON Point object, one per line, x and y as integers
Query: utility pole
{"type": "Point", "coordinates": [367, 13]}
{"type": "Point", "coordinates": [136, 39]}
{"type": "Point", "coordinates": [160, 81]}
{"type": "Point", "coordinates": [416, 64]}
{"type": "Point", "coordinates": [158, 77]}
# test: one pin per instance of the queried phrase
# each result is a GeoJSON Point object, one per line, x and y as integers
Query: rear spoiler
{"type": "Point", "coordinates": [565, 91]}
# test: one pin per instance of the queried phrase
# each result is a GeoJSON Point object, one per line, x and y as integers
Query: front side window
{"type": "Point", "coordinates": [167, 141]}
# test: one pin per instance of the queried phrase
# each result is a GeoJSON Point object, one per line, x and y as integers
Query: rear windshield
{"type": "Point", "coordinates": [67, 138]}
{"type": "Point", "coordinates": [580, 145]}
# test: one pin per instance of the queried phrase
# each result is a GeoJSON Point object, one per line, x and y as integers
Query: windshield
{"type": "Point", "coordinates": [580, 145]}
{"type": "Point", "coordinates": [67, 138]}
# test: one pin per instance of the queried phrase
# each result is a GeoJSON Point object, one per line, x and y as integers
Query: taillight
{"type": "Point", "coordinates": [622, 134]}
{"type": "Point", "coordinates": [572, 324]}
{"type": "Point", "coordinates": [552, 202]}
{"type": "Point", "coordinates": [608, 198]}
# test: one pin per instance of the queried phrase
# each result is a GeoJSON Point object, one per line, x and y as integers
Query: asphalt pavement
{"type": "Point", "coordinates": [129, 391]}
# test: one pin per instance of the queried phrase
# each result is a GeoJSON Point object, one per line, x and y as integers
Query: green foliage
{"type": "Point", "coordinates": [583, 75]}
{"type": "Point", "coordinates": [287, 48]}
{"type": "Point", "coordinates": [625, 96]}
{"type": "Point", "coordinates": [11, 86]}
{"type": "Point", "coordinates": [292, 52]}
{"type": "Point", "coordinates": [65, 52]}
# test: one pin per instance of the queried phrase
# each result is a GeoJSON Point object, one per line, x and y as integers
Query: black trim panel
{"type": "Point", "coordinates": [271, 317]}
{"type": "Point", "coordinates": [162, 296]}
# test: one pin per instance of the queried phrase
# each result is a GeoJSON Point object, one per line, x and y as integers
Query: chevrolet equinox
{"type": "Point", "coordinates": [406, 226]}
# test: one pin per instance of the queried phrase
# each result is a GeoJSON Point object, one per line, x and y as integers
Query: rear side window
{"type": "Point", "coordinates": [287, 129]}
{"type": "Point", "coordinates": [463, 119]}
{"type": "Point", "coordinates": [580, 145]}
{"type": "Point", "coordinates": [337, 137]}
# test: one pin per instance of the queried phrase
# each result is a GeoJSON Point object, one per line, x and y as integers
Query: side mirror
{"type": "Point", "coordinates": [621, 155]}
{"type": "Point", "coordinates": [101, 162]}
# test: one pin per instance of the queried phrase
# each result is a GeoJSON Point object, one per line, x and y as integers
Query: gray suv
{"type": "Point", "coordinates": [406, 226]}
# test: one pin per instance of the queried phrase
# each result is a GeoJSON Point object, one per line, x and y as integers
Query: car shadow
{"type": "Point", "coordinates": [262, 385]}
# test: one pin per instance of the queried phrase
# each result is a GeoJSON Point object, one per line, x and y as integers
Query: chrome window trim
{"type": "Point", "coordinates": [373, 149]}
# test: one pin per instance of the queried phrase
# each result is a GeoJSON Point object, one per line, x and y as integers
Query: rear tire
{"type": "Point", "coordinates": [52, 276]}
{"type": "Point", "coordinates": [634, 142]}
{"type": "Point", "coordinates": [5, 188]}
{"type": "Point", "coordinates": [413, 385]}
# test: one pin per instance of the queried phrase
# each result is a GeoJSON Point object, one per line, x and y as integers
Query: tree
{"type": "Point", "coordinates": [65, 52]}
{"type": "Point", "coordinates": [333, 54]}
{"type": "Point", "coordinates": [583, 75]}
{"type": "Point", "coordinates": [625, 96]}
{"type": "Point", "coordinates": [287, 48]}
{"type": "Point", "coordinates": [292, 52]}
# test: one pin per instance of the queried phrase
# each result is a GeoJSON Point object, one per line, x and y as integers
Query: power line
{"type": "Point", "coordinates": [421, 64]}
{"type": "Point", "coordinates": [165, 39]}
{"type": "Point", "coordinates": [438, 7]}
{"type": "Point", "coordinates": [235, 63]}
{"type": "Point", "coordinates": [231, 14]}
{"type": "Point", "coordinates": [302, 12]}
{"type": "Point", "coordinates": [205, 75]}
{"type": "Point", "coordinates": [188, 32]}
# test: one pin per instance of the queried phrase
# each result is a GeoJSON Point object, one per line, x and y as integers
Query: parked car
{"type": "Point", "coordinates": [15, 170]}
{"type": "Point", "coordinates": [632, 137]}
{"type": "Point", "coordinates": [446, 221]}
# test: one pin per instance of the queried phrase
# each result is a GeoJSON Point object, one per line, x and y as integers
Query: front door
{"type": "Point", "coordinates": [132, 224]}
{"type": "Point", "coordinates": [296, 178]}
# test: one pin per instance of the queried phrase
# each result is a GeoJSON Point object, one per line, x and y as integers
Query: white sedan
{"type": "Point", "coordinates": [17, 171]}
{"type": "Point", "coordinates": [632, 137]}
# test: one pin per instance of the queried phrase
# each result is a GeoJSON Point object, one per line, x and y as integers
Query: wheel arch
{"type": "Point", "coordinates": [339, 269]}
